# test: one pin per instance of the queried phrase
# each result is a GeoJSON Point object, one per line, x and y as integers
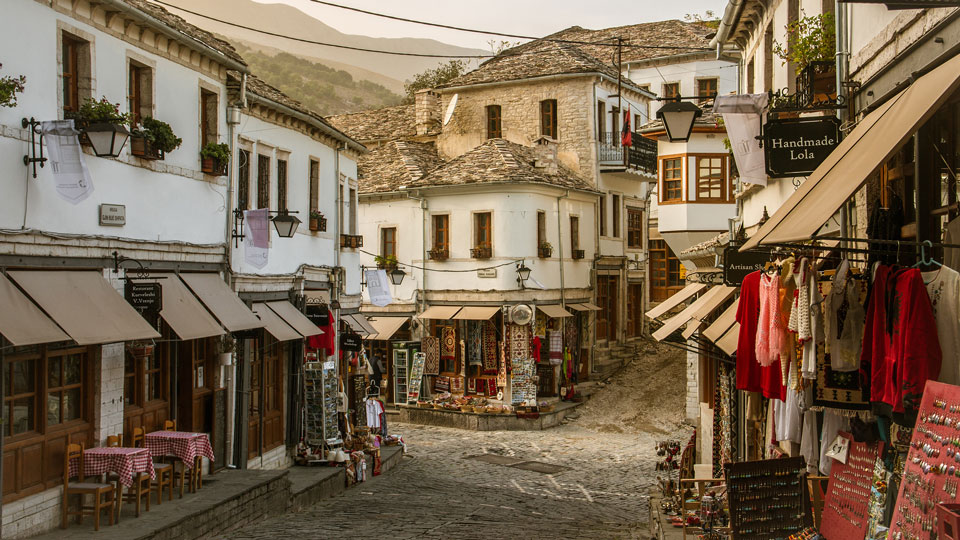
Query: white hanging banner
{"type": "Point", "coordinates": [70, 174]}
{"type": "Point", "coordinates": [256, 237]}
{"type": "Point", "coordinates": [742, 118]}
{"type": "Point", "coordinates": [378, 287]}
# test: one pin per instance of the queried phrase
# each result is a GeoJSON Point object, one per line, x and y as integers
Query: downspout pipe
{"type": "Point", "coordinates": [843, 66]}
{"type": "Point", "coordinates": [731, 14]}
{"type": "Point", "coordinates": [563, 300]}
{"type": "Point", "coordinates": [423, 238]}
{"type": "Point", "coordinates": [338, 273]}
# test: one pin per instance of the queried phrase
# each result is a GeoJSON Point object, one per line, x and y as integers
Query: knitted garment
{"type": "Point", "coordinates": [769, 327]}
{"type": "Point", "coordinates": [846, 321]}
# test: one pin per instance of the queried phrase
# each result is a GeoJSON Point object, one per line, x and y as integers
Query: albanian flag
{"type": "Point", "coordinates": [626, 135]}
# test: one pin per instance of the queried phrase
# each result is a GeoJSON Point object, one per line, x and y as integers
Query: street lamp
{"type": "Point", "coordinates": [523, 274]}
{"type": "Point", "coordinates": [396, 276]}
{"type": "Point", "coordinates": [285, 224]}
{"type": "Point", "coordinates": [107, 139]}
{"type": "Point", "coordinates": [678, 118]}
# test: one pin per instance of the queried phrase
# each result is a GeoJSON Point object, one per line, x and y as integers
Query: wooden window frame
{"type": "Point", "coordinates": [615, 201]}
{"type": "Point", "coordinates": [263, 181]}
{"type": "Point", "coordinates": [663, 192]}
{"type": "Point", "coordinates": [634, 228]}
{"type": "Point", "coordinates": [662, 287]}
{"type": "Point", "coordinates": [602, 214]}
{"type": "Point", "coordinates": [494, 122]}
{"type": "Point", "coordinates": [76, 79]}
{"type": "Point", "coordinates": [725, 188]}
{"type": "Point", "coordinates": [574, 233]}
{"type": "Point", "coordinates": [541, 228]}
{"type": "Point", "coordinates": [135, 93]}
{"type": "Point", "coordinates": [548, 119]}
{"type": "Point", "coordinates": [701, 97]}
{"type": "Point", "coordinates": [441, 232]}
{"type": "Point", "coordinates": [667, 93]}
{"type": "Point", "coordinates": [281, 184]}
{"type": "Point", "coordinates": [388, 241]}
{"type": "Point", "coordinates": [483, 230]}
{"type": "Point", "coordinates": [243, 179]}
{"type": "Point", "coordinates": [601, 119]}
{"type": "Point", "coordinates": [634, 310]}
{"type": "Point", "coordinates": [209, 120]}
{"type": "Point", "coordinates": [314, 175]}
{"type": "Point", "coordinates": [606, 321]}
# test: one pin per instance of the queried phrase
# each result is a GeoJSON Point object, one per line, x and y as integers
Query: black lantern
{"type": "Point", "coordinates": [396, 276]}
{"type": "Point", "coordinates": [678, 118]}
{"type": "Point", "coordinates": [285, 224]}
{"type": "Point", "coordinates": [107, 139]}
{"type": "Point", "coordinates": [523, 273]}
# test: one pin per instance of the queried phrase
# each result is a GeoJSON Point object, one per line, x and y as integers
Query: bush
{"type": "Point", "coordinates": [160, 134]}
{"type": "Point", "coordinates": [218, 152]}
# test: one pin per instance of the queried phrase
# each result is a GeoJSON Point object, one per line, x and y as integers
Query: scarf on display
{"type": "Point", "coordinates": [475, 343]}
{"type": "Point", "coordinates": [556, 347]}
{"type": "Point", "coordinates": [448, 343]}
{"type": "Point", "coordinates": [431, 348]}
{"type": "Point", "coordinates": [489, 349]}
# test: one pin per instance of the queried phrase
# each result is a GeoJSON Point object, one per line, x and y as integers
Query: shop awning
{"type": "Point", "coordinates": [678, 298]}
{"type": "Point", "coordinates": [439, 312]}
{"type": "Point", "coordinates": [715, 301]}
{"type": "Point", "coordinates": [183, 312]}
{"type": "Point", "coordinates": [359, 324]}
{"type": "Point", "coordinates": [225, 305]}
{"type": "Point", "coordinates": [590, 307]}
{"type": "Point", "coordinates": [292, 316]}
{"type": "Point", "coordinates": [674, 323]}
{"type": "Point", "coordinates": [728, 343]}
{"type": "Point", "coordinates": [476, 313]}
{"type": "Point", "coordinates": [274, 324]}
{"type": "Point", "coordinates": [554, 310]}
{"type": "Point", "coordinates": [21, 321]}
{"type": "Point", "coordinates": [577, 307]}
{"type": "Point", "coordinates": [871, 143]}
{"type": "Point", "coordinates": [386, 326]}
{"type": "Point", "coordinates": [723, 323]}
{"type": "Point", "coordinates": [87, 307]}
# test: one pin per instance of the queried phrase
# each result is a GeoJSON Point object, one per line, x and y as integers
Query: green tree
{"type": "Point", "coordinates": [432, 78]}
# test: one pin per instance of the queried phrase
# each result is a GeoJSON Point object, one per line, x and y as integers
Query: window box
{"type": "Point", "coordinates": [481, 252]}
{"type": "Point", "coordinates": [439, 254]}
{"type": "Point", "coordinates": [213, 167]}
{"type": "Point", "coordinates": [388, 263]}
{"type": "Point", "coordinates": [144, 149]}
{"type": "Point", "coordinates": [318, 222]}
{"type": "Point", "coordinates": [545, 251]}
{"type": "Point", "coordinates": [578, 254]}
{"type": "Point", "coordinates": [817, 83]}
{"type": "Point", "coordinates": [351, 241]}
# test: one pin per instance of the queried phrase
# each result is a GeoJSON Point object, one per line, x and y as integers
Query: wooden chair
{"type": "Point", "coordinates": [164, 471]}
{"type": "Point", "coordinates": [169, 425]}
{"type": "Point", "coordinates": [104, 495]}
{"type": "Point", "coordinates": [141, 488]}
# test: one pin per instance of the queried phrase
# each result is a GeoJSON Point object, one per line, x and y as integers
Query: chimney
{"type": "Point", "coordinates": [427, 111]}
{"type": "Point", "coordinates": [545, 151]}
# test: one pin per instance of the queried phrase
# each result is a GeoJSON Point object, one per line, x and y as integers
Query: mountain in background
{"type": "Point", "coordinates": [290, 21]}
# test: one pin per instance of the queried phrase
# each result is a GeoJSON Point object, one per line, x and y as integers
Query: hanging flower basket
{"type": "Point", "coordinates": [144, 149]}
{"type": "Point", "coordinates": [140, 349]}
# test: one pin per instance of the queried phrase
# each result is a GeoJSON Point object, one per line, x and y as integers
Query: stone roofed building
{"type": "Point", "coordinates": [379, 125]}
{"type": "Point", "coordinates": [395, 164]}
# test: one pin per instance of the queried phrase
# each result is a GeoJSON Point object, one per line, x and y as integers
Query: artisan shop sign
{"type": "Point", "coordinates": [797, 146]}
{"type": "Point", "coordinates": [350, 342]}
{"type": "Point", "coordinates": [144, 297]}
{"type": "Point", "coordinates": [737, 265]}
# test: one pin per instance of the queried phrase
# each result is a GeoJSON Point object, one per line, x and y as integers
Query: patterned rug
{"type": "Point", "coordinates": [475, 343]}
{"type": "Point", "coordinates": [431, 347]}
{"type": "Point", "coordinates": [448, 343]}
{"type": "Point", "coordinates": [837, 389]}
{"type": "Point", "coordinates": [489, 349]}
{"type": "Point", "coordinates": [518, 344]}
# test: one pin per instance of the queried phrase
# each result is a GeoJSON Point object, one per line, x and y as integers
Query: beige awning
{"type": "Point", "coordinates": [692, 326]}
{"type": "Point", "coordinates": [21, 321]}
{"type": "Point", "coordinates": [723, 323]}
{"type": "Point", "coordinates": [678, 298]}
{"type": "Point", "coordinates": [292, 316]}
{"type": "Point", "coordinates": [577, 307]}
{"type": "Point", "coordinates": [871, 143]}
{"type": "Point", "coordinates": [715, 301]}
{"type": "Point", "coordinates": [225, 305]}
{"type": "Point", "coordinates": [439, 312]}
{"type": "Point", "coordinates": [272, 323]}
{"type": "Point", "coordinates": [183, 312]}
{"type": "Point", "coordinates": [590, 307]}
{"type": "Point", "coordinates": [682, 318]}
{"type": "Point", "coordinates": [476, 313]}
{"type": "Point", "coordinates": [728, 343]}
{"type": "Point", "coordinates": [386, 326]}
{"type": "Point", "coordinates": [87, 307]}
{"type": "Point", "coordinates": [359, 324]}
{"type": "Point", "coordinates": [554, 310]}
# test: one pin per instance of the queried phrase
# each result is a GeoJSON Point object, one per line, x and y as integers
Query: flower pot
{"type": "Point", "coordinates": [545, 252]}
{"type": "Point", "coordinates": [140, 350]}
{"type": "Point", "coordinates": [144, 149]}
{"type": "Point", "coordinates": [226, 359]}
{"type": "Point", "coordinates": [439, 254]}
{"type": "Point", "coordinates": [213, 167]}
{"type": "Point", "coordinates": [314, 224]}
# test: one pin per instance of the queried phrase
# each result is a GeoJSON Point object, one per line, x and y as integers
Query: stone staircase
{"type": "Point", "coordinates": [609, 360]}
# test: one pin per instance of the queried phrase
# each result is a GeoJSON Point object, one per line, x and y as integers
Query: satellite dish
{"type": "Point", "coordinates": [453, 105]}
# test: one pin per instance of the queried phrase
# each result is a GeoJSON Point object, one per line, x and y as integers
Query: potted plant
{"type": "Point", "coordinates": [439, 254]}
{"type": "Point", "coordinates": [386, 263]}
{"type": "Point", "coordinates": [140, 349]}
{"type": "Point", "coordinates": [545, 250]}
{"type": "Point", "coordinates": [102, 120]}
{"type": "Point", "coordinates": [214, 158]}
{"type": "Point", "coordinates": [317, 221]}
{"type": "Point", "coordinates": [225, 347]}
{"type": "Point", "coordinates": [481, 252]}
{"type": "Point", "coordinates": [812, 46]}
{"type": "Point", "coordinates": [153, 139]}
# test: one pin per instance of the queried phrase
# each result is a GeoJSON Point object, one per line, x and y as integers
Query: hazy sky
{"type": "Point", "coordinates": [522, 17]}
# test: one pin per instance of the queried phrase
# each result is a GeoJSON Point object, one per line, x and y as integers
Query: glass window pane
{"type": "Point", "coordinates": [128, 390]}
{"type": "Point", "coordinates": [72, 404]}
{"type": "Point", "coordinates": [53, 372]}
{"type": "Point", "coordinates": [23, 377]}
{"type": "Point", "coordinates": [22, 415]}
{"type": "Point", "coordinates": [155, 388]}
{"type": "Point", "coordinates": [53, 408]}
{"type": "Point", "coordinates": [72, 369]}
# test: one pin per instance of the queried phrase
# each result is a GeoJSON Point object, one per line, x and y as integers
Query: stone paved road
{"type": "Point", "coordinates": [441, 492]}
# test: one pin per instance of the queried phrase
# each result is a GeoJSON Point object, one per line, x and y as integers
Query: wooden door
{"type": "Point", "coordinates": [265, 423]}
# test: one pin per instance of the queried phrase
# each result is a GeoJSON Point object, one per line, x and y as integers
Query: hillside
{"type": "Point", "coordinates": [288, 20]}
{"type": "Point", "coordinates": [324, 89]}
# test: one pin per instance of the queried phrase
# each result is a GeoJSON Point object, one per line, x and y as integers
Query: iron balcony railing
{"type": "Point", "coordinates": [610, 149]}
{"type": "Point", "coordinates": [641, 155]}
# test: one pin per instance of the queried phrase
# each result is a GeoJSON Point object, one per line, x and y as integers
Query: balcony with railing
{"type": "Point", "coordinates": [610, 149]}
{"type": "Point", "coordinates": [640, 156]}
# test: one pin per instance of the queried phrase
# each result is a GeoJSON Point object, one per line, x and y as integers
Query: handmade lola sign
{"type": "Point", "coordinates": [797, 146]}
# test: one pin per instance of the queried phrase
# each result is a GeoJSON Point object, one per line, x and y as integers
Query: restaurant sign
{"type": "Point", "coordinates": [737, 265]}
{"type": "Point", "coordinates": [797, 146]}
{"type": "Point", "coordinates": [146, 298]}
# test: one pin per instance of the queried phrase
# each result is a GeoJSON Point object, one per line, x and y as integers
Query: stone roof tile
{"type": "Point", "coordinates": [178, 23]}
{"type": "Point", "coordinates": [388, 123]}
{"type": "Point", "coordinates": [395, 164]}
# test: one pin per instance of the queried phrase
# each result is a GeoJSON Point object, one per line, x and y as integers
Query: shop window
{"type": "Point", "coordinates": [548, 118]}
{"type": "Point", "coordinates": [263, 181]}
{"type": "Point", "coordinates": [672, 180]}
{"type": "Point", "coordinates": [615, 208]}
{"type": "Point", "coordinates": [64, 388]}
{"type": "Point", "coordinates": [666, 276]}
{"type": "Point", "coordinates": [74, 72]}
{"type": "Point", "coordinates": [139, 92]}
{"type": "Point", "coordinates": [208, 118]}
{"type": "Point", "coordinates": [706, 89]}
{"type": "Point", "coordinates": [494, 127]}
{"type": "Point", "coordinates": [281, 184]}
{"type": "Point", "coordinates": [711, 179]}
{"type": "Point", "coordinates": [574, 234]}
{"type": "Point", "coordinates": [634, 228]}
{"type": "Point", "coordinates": [314, 186]}
{"type": "Point", "coordinates": [671, 90]}
{"type": "Point", "coordinates": [243, 179]}
{"type": "Point", "coordinates": [20, 401]}
{"type": "Point", "coordinates": [441, 233]}
{"type": "Point", "coordinates": [388, 242]}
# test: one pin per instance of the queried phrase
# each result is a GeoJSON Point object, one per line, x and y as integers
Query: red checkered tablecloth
{"type": "Point", "coordinates": [184, 445]}
{"type": "Point", "coordinates": [125, 462]}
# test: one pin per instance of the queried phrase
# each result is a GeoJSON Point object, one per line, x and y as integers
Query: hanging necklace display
{"type": "Point", "coordinates": [845, 507]}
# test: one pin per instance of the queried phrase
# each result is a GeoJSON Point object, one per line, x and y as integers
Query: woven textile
{"type": "Point", "coordinates": [184, 445]}
{"type": "Point", "coordinates": [837, 389]}
{"type": "Point", "coordinates": [475, 343]}
{"type": "Point", "coordinates": [519, 343]}
{"type": "Point", "coordinates": [125, 462]}
{"type": "Point", "coordinates": [489, 349]}
{"type": "Point", "coordinates": [431, 348]}
{"type": "Point", "coordinates": [448, 343]}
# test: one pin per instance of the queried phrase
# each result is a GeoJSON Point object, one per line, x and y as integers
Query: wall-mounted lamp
{"type": "Point", "coordinates": [396, 275]}
{"type": "Point", "coordinates": [285, 224]}
{"type": "Point", "coordinates": [523, 274]}
{"type": "Point", "coordinates": [34, 127]}
{"type": "Point", "coordinates": [107, 139]}
{"type": "Point", "coordinates": [678, 118]}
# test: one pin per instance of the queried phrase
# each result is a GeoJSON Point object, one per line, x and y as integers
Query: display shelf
{"type": "Point", "coordinates": [766, 498]}
{"type": "Point", "coordinates": [846, 505]}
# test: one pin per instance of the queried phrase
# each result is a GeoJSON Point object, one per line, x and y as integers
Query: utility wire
{"type": "Point", "coordinates": [500, 34]}
{"type": "Point", "coordinates": [446, 270]}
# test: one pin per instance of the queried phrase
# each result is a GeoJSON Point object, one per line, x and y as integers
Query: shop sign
{"type": "Point", "coordinates": [797, 146]}
{"type": "Point", "coordinates": [350, 342]}
{"type": "Point", "coordinates": [487, 273]}
{"type": "Point", "coordinates": [317, 314]}
{"type": "Point", "coordinates": [146, 298]}
{"type": "Point", "coordinates": [737, 265]}
{"type": "Point", "coordinates": [114, 215]}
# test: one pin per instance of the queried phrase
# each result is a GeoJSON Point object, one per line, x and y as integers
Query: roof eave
{"type": "Point", "coordinates": [484, 184]}
{"type": "Point", "coordinates": [322, 126]}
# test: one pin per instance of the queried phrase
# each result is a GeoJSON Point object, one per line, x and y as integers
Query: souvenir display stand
{"type": "Point", "coordinates": [931, 473]}
{"type": "Point", "coordinates": [766, 498]}
{"type": "Point", "coordinates": [846, 507]}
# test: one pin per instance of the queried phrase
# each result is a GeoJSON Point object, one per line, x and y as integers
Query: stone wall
{"type": "Point", "coordinates": [108, 408]}
{"type": "Point", "coordinates": [271, 459]}
{"type": "Point", "coordinates": [893, 40]}
{"type": "Point", "coordinates": [693, 386]}
{"type": "Point", "coordinates": [32, 515]}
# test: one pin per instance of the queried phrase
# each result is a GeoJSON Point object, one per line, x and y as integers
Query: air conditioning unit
{"type": "Point", "coordinates": [521, 314]}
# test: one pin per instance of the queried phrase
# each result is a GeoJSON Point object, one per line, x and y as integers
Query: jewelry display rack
{"type": "Point", "coordinates": [766, 498]}
{"type": "Point", "coordinates": [846, 505]}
